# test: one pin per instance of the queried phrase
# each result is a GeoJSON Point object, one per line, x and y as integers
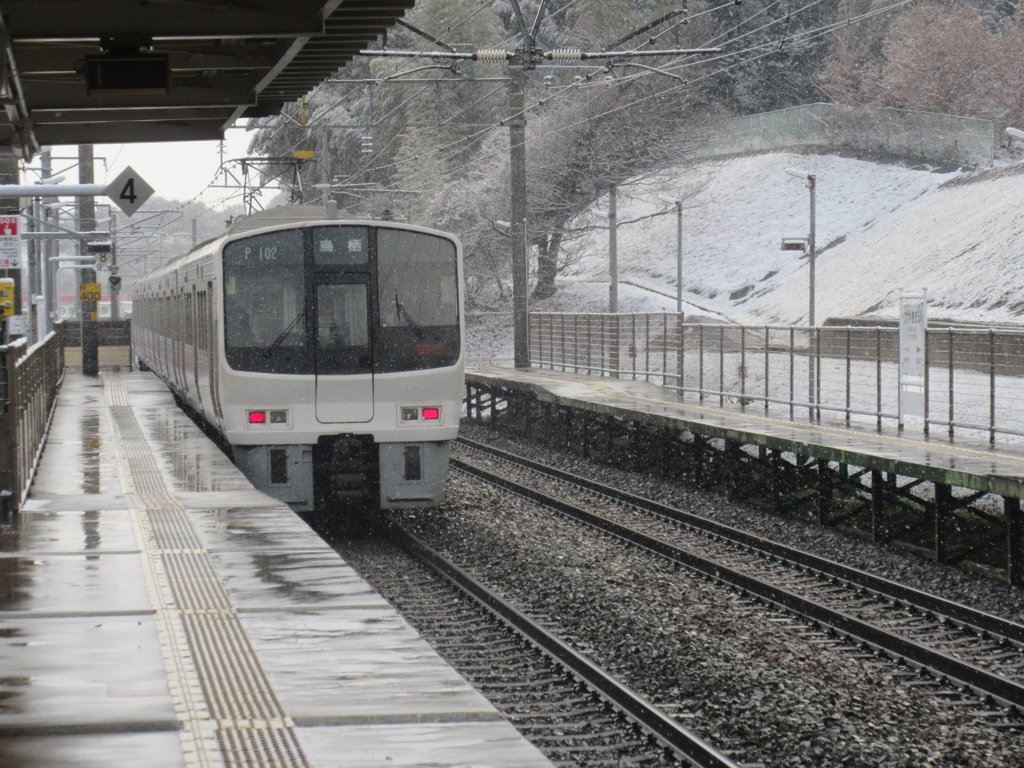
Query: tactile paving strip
{"type": "Point", "coordinates": [229, 714]}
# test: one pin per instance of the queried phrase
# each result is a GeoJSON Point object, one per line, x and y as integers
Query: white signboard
{"type": "Point", "coordinates": [10, 242]}
{"type": "Point", "coordinates": [913, 352]}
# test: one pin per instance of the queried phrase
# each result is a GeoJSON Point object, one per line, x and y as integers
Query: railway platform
{"type": "Point", "coordinates": [958, 501]}
{"type": "Point", "coordinates": [157, 610]}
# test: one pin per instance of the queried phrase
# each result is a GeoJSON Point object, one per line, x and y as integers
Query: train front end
{"type": "Point", "coordinates": [342, 371]}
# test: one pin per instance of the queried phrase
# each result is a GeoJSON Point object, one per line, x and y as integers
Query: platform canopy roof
{"type": "Point", "coordinates": [101, 71]}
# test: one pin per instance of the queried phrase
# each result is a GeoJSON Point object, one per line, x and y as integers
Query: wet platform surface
{"type": "Point", "coordinates": [156, 610]}
{"type": "Point", "coordinates": [974, 465]}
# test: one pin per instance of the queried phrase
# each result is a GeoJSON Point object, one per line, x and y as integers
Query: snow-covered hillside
{"type": "Point", "coordinates": [879, 228]}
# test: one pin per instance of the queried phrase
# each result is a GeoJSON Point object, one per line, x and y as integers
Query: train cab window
{"type": "Point", "coordinates": [264, 303]}
{"type": "Point", "coordinates": [343, 329]}
{"type": "Point", "coordinates": [342, 316]}
{"type": "Point", "coordinates": [417, 277]}
{"type": "Point", "coordinates": [340, 246]}
{"type": "Point", "coordinates": [420, 270]}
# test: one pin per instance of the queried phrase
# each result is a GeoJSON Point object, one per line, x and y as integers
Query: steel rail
{"type": "Point", "coordinates": [674, 736]}
{"type": "Point", "coordinates": [963, 615]}
{"type": "Point", "coordinates": [944, 667]}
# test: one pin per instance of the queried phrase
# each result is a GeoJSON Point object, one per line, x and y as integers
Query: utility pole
{"type": "Point", "coordinates": [46, 250]}
{"type": "Point", "coordinates": [613, 251]}
{"type": "Point", "coordinates": [520, 237]}
{"type": "Point", "coordinates": [523, 58]}
{"type": "Point", "coordinates": [10, 207]}
{"type": "Point", "coordinates": [87, 277]}
{"type": "Point", "coordinates": [115, 278]}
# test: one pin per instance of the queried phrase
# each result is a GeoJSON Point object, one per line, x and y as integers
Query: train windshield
{"type": "Point", "coordinates": [343, 299]}
{"type": "Point", "coordinates": [417, 278]}
{"type": "Point", "coordinates": [420, 272]}
{"type": "Point", "coordinates": [265, 303]}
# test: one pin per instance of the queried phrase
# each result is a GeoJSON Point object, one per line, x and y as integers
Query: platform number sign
{"type": "Point", "coordinates": [128, 191]}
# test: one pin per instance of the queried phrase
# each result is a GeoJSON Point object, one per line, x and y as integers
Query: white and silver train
{"type": "Point", "coordinates": [325, 352]}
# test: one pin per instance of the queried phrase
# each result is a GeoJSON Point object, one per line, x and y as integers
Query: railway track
{"type": "Point", "coordinates": [576, 713]}
{"type": "Point", "coordinates": [957, 645]}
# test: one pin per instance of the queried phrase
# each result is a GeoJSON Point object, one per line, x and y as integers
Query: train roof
{"type": "Point", "coordinates": [287, 214]}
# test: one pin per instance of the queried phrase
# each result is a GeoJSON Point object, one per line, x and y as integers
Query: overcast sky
{"type": "Point", "coordinates": [175, 170]}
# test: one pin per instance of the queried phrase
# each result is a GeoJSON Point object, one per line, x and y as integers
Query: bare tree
{"type": "Point", "coordinates": [610, 132]}
{"type": "Point", "coordinates": [957, 59]}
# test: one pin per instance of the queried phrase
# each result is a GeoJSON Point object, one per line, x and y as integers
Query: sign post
{"type": "Point", "coordinates": [913, 355]}
{"type": "Point", "coordinates": [128, 191]}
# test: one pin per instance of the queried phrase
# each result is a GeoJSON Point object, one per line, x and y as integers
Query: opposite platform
{"type": "Point", "coordinates": [156, 610]}
{"type": "Point", "coordinates": [976, 466]}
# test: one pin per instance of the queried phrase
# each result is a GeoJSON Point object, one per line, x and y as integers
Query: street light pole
{"type": "Point", "coordinates": [679, 248]}
{"type": "Point", "coordinates": [811, 180]}
{"type": "Point", "coordinates": [812, 253]}
{"type": "Point", "coordinates": [812, 388]}
{"type": "Point", "coordinates": [679, 256]}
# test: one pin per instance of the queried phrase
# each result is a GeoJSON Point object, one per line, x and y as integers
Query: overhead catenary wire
{"type": "Point", "coordinates": [761, 50]}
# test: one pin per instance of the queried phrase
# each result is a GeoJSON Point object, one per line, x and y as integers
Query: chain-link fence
{"type": "Point", "coordinates": [974, 383]}
{"type": "Point", "coordinates": [924, 136]}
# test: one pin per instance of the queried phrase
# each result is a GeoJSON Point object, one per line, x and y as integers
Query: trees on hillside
{"type": "Point", "coordinates": [957, 59]}
{"type": "Point", "coordinates": [427, 134]}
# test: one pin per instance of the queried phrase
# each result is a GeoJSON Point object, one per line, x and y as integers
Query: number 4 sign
{"type": "Point", "coordinates": [128, 191]}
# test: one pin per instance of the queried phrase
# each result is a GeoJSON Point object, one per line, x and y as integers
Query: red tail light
{"type": "Point", "coordinates": [257, 417]}
{"type": "Point", "coordinates": [430, 350]}
{"type": "Point", "coordinates": [430, 414]}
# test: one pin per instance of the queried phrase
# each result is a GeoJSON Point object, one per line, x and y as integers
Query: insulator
{"type": "Point", "coordinates": [565, 54]}
{"type": "Point", "coordinates": [492, 55]}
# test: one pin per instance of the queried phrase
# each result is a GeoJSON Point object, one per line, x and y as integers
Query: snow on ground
{"type": "Point", "coordinates": [879, 228]}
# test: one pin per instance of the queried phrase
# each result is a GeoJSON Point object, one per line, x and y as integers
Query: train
{"type": "Point", "coordinates": [324, 352]}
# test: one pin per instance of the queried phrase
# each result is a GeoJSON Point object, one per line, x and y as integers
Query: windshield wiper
{"type": "Point", "coordinates": [404, 313]}
{"type": "Point", "coordinates": [282, 336]}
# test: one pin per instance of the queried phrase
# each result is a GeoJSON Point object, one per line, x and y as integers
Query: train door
{"type": "Point", "coordinates": [343, 348]}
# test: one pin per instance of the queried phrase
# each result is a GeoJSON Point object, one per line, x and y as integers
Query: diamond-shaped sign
{"type": "Point", "coordinates": [128, 191]}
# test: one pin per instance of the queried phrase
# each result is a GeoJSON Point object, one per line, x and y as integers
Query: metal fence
{"type": "Point", "coordinates": [29, 380]}
{"type": "Point", "coordinates": [974, 383]}
{"type": "Point", "coordinates": [926, 136]}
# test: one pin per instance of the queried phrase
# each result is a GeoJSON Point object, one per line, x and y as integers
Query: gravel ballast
{"type": "Point", "coordinates": [755, 683]}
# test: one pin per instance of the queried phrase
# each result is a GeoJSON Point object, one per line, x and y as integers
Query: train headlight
{"type": "Point", "coordinates": [257, 417]}
{"type": "Point", "coordinates": [431, 414]}
{"type": "Point", "coordinates": [410, 414]}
